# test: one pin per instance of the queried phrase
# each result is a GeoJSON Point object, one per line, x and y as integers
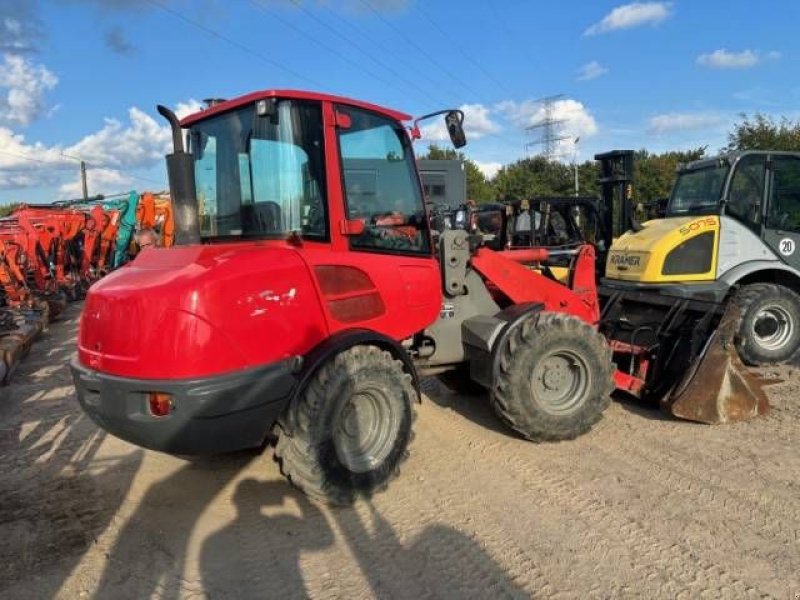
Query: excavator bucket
{"type": "Point", "coordinates": [718, 388]}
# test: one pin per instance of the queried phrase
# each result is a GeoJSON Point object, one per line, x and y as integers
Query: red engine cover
{"type": "Point", "coordinates": [201, 310]}
{"type": "Point", "coordinates": [196, 311]}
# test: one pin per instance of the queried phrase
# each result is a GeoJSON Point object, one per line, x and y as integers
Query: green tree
{"type": "Point", "coordinates": [654, 174]}
{"type": "Point", "coordinates": [537, 176]}
{"type": "Point", "coordinates": [478, 187]}
{"type": "Point", "coordinates": [7, 209]}
{"type": "Point", "coordinates": [761, 132]}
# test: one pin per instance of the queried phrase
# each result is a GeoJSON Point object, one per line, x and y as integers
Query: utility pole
{"type": "Point", "coordinates": [575, 164]}
{"type": "Point", "coordinates": [83, 173]}
{"type": "Point", "coordinates": [548, 128]}
{"type": "Point", "coordinates": [83, 181]}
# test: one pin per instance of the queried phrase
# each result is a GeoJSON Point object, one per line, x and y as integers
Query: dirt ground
{"type": "Point", "coordinates": [643, 506]}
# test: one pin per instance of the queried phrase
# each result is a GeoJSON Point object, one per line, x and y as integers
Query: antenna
{"type": "Point", "coordinates": [548, 128]}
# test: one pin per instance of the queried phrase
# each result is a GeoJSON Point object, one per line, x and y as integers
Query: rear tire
{"type": "Point", "coordinates": [768, 331]}
{"type": "Point", "coordinates": [351, 429]}
{"type": "Point", "coordinates": [554, 379]}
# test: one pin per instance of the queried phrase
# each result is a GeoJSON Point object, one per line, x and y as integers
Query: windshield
{"type": "Point", "coordinates": [698, 190]}
{"type": "Point", "coordinates": [261, 176]}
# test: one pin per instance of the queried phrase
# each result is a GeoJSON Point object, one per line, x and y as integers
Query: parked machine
{"type": "Point", "coordinates": [52, 253]}
{"type": "Point", "coordinates": [304, 297]}
{"type": "Point", "coordinates": [713, 283]}
{"type": "Point", "coordinates": [300, 304]}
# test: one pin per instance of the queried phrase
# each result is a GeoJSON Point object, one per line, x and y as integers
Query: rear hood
{"type": "Point", "coordinates": [195, 311]}
{"type": "Point", "coordinates": [640, 255]}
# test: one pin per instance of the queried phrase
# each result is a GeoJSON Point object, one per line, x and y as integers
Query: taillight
{"type": "Point", "coordinates": [160, 403]}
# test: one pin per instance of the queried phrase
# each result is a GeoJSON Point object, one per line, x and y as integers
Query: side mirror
{"type": "Point", "coordinates": [454, 120]}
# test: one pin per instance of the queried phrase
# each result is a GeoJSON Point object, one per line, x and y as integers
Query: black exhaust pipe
{"type": "Point", "coordinates": [180, 170]}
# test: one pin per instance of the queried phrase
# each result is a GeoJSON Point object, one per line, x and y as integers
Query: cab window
{"type": "Point", "coordinates": [261, 176]}
{"type": "Point", "coordinates": [784, 199]}
{"type": "Point", "coordinates": [747, 190]}
{"type": "Point", "coordinates": [381, 184]}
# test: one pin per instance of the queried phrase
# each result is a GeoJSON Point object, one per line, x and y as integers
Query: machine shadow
{"type": "Point", "coordinates": [440, 561]}
{"type": "Point", "coordinates": [474, 407]}
{"type": "Point", "coordinates": [641, 408]}
{"type": "Point", "coordinates": [258, 555]}
{"type": "Point", "coordinates": [60, 494]}
{"type": "Point", "coordinates": [156, 537]}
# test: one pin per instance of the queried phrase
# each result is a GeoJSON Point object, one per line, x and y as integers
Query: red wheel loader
{"type": "Point", "coordinates": [304, 296]}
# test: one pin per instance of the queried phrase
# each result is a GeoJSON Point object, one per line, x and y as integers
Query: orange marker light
{"type": "Point", "coordinates": [160, 403]}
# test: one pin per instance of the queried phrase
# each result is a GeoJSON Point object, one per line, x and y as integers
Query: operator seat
{"type": "Point", "coordinates": [265, 218]}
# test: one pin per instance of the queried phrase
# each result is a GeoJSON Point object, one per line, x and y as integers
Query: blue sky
{"type": "Point", "coordinates": [81, 78]}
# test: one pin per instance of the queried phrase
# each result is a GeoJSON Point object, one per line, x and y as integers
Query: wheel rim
{"type": "Point", "coordinates": [560, 381]}
{"type": "Point", "coordinates": [366, 430]}
{"type": "Point", "coordinates": [773, 327]}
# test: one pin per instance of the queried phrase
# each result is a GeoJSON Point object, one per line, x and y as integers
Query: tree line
{"type": "Point", "coordinates": [654, 173]}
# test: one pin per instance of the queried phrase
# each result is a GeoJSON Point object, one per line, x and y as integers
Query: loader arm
{"type": "Point", "coordinates": [507, 272]}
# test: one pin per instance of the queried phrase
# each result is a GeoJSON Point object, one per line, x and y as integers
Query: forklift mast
{"type": "Point", "coordinates": [616, 192]}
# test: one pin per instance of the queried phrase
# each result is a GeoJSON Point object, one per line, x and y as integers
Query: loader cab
{"type": "Point", "coordinates": [333, 179]}
{"type": "Point", "coordinates": [307, 167]}
{"type": "Point", "coordinates": [760, 190]}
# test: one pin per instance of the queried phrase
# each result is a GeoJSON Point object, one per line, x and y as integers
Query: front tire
{"type": "Point", "coordinates": [554, 379]}
{"type": "Point", "coordinates": [768, 331]}
{"type": "Point", "coordinates": [352, 426]}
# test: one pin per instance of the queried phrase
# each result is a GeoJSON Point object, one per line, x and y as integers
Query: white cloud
{"type": "Point", "coordinates": [576, 120]}
{"type": "Point", "coordinates": [722, 59]}
{"type": "Point", "coordinates": [110, 152]}
{"type": "Point", "coordinates": [99, 181]}
{"type": "Point", "coordinates": [591, 70]}
{"type": "Point", "coordinates": [489, 169]}
{"type": "Point", "coordinates": [23, 85]}
{"type": "Point", "coordinates": [477, 124]}
{"type": "Point", "coordinates": [670, 122]}
{"type": "Point", "coordinates": [632, 15]}
{"type": "Point", "coordinates": [184, 109]}
{"type": "Point", "coordinates": [28, 165]}
{"type": "Point", "coordinates": [141, 143]}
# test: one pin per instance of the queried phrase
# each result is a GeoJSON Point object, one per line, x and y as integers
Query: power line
{"type": "Point", "coordinates": [417, 47]}
{"type": "Point", "coordinates": [397, 58]}
{"type": "Point", "coordinates": [366, 53]}
{"type": "Point", "coordinates": [456, 44]}
{"type": "Point", "coordinates": [334, 51]}
{"type": "Point", "coordinates": [30, 158]}
{"type": "Point", "coordinates": [234, 43]}
{"type": "Point", "coordinates": [64, 160]}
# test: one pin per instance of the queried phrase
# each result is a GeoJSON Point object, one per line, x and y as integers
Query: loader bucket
{"type": "Point", "coordinates": [718, 388]}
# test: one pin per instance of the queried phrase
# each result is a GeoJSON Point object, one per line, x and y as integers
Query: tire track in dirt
{"type": "Point", "coordinates": [654, 556]}
{"type": "Point", "coordinates": [685, 477]}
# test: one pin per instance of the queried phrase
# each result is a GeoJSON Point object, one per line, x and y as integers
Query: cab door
{"type": "Point", "coordinates": [782, 223]}
{"type": "Point", "coordinates": [381, 274]}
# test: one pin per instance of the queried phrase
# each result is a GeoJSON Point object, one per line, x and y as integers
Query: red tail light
{"type": "Point", "coordinates": [160, 403]}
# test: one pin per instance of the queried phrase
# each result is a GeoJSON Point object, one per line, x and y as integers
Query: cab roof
{"type": "Point", "coordinates": [292, 95]}
{"type": "Point", "coordinates": [730, 158]}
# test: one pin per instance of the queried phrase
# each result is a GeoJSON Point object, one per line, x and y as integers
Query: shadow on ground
{"type": "Point", "coordinates": [58, 494]}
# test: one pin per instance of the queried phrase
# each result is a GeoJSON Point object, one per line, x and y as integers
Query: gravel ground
{"type": "Point", "coordinates": [643, 506]}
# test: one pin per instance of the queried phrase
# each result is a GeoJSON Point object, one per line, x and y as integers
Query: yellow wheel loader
{"type": "Point", "coordinates": [691, 298]}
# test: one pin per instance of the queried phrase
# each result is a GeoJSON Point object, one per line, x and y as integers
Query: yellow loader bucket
{"type": "Point", "coordinates": [719, 388]}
